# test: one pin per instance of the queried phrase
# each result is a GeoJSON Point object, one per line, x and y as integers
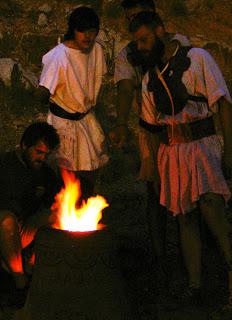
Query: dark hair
{"type": "Point", "coordinates": [81, 19]}
{"type": "Point", "coordinates": [40, 131]}
{"type": "Point", "coordinates": [147, 4]}
{"type": "Point", "coordinates": [145, 18]}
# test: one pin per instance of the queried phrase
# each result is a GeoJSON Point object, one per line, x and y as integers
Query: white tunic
{"type": "Point", "coordinates": [188, 170]}
{"type": "Point", "coordinates": [124, 70]}
{"type": "Point", "coordinates": [74, 80]}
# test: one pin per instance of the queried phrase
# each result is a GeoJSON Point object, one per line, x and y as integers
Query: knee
{"type": "Point", "coordinates": [212, 200]}
{"type": "Point", "coordinates": [189, 219]}
{"type": "Point", "coordinates": [8, 220]}
{"type": "Point", "coordinates": [184, 224]}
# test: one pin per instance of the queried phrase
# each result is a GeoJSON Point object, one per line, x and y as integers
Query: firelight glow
{"type": "Point", "coordinates": [70, 218]}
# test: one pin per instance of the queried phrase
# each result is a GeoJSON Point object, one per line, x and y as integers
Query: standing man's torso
{"type": "Point", "coordinates": [72, 77]}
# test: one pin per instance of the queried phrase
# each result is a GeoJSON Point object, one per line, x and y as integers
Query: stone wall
{"type": "Point", "coordinates": [29, 28]}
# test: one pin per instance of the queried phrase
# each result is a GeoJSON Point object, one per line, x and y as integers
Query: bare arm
{"type": "Point", "coordinates": [125, 93]}
{"type": "Point", "coordinates": [42, 95]}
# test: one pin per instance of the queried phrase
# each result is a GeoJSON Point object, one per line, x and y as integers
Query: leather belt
{"type": "Point", "coordinates": [182, 133]}
{"type": "Point", "coordinates": [61, 113]}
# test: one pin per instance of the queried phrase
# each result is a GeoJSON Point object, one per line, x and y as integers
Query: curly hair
{"type": "Point", "coordinates": [149, 19]}
{"type": "Point", "coordinates": [82, 19]}
{"type": "Point", "coordinates": [40, 131]}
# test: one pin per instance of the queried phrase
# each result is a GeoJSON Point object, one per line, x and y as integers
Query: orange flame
{"type": "Point", "coordinates": [70, 218]}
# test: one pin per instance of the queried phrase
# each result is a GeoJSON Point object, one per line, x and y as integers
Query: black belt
{"type": "Point", "coordinates": [181, 133]}
{"type": "Point", "coordinates": [61, 113]}
{"type": "Point", "coordinates": [197, 98]}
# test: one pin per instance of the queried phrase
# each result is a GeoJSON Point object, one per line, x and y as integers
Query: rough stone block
{"type": "Point", "coordinates": [34, 46]}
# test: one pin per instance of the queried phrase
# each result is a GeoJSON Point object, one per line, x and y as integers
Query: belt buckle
{"type": "Point", "coordinates": [179, 133]}
{"type": "Point", "coordinates": [187, 132]}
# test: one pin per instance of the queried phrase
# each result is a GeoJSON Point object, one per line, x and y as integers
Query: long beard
{"type": "Point", "coordinates": [154, 57]}
{"type": "Point", "coordinates": [146, 59]}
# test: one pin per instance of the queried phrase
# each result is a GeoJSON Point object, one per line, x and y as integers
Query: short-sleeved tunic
{"type": "Point", "coordinates": [74, 79]}
{"type": "Point", "coordinates": [188, 170]}
{"type": "Point", "coordinates": [124, 70]}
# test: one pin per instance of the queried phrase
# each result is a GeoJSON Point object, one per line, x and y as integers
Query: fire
{"type": "Point", "coordinates": [71, 218]}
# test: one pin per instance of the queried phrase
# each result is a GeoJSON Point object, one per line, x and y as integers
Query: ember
{"type": "Point", "coordinates": [71, 218]}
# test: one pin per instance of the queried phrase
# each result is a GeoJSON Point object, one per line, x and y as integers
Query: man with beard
{"type": "Point", "coordinates": [181, 94]}
{"type": "Point", "coordinates": [130, 66]}
{"type": "Point", "coordinates": [27, 190]}
{"type": "Point", "coordinates": [71, 80]}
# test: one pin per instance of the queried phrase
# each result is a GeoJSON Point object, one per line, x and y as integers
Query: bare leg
{"type": "Point", "coordinates": [30, 227]}
{"type": "Point", "coordinates": [191, 247]}
{"type": "Point", "coordinates": [212, 207]}
{"type": "Point", "coordinates": [156, 220]}
{"type": "Point", "coordinates": [10, 247]}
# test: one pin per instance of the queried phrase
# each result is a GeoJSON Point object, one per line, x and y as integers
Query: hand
{"type": "Point", "coordinates": [43, 217]}
{"type": "Point", "coordinates": [27, 234]}
{"type": "Point", "coordinates": [118, 136]}
{"type": "Point", "coordinates": [53, 218]}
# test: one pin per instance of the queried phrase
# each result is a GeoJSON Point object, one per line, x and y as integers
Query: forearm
{"type": "Point", "coordinates": [41, 96]}
{"type": "Point", "coordinates": [125, 93]}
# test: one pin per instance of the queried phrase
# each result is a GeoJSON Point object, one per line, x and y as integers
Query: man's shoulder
{"type": "Point", "coordinates": [122, 56]}
{"type": "Point", "coordinates": [199, 53]}
{"type": "Point", "coordinates": [99, 44]}
{"type": "Point", "coordinates": [124, 68]}
{"type": "Point", "coordinates": [124, 51]}
{"type": "Point", "coordinates": [54, 54]}
{"type": "Point", "coordinates": [98, 48]}
{"type": "Point", "coordinates": [182, 39]}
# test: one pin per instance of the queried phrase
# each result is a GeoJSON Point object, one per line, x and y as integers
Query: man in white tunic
{"type": "Point", "coordinates": [72, 77]}
{"type": "Point", "coordinates": [180, 97]}
{"type": "Point", "coordinates": [130, 67]}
